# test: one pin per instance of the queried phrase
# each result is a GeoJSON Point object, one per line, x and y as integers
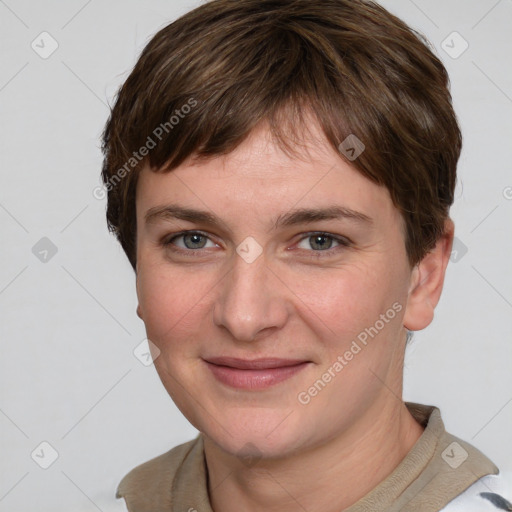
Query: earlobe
{"type": "Point", "coordinates": [427, 280]}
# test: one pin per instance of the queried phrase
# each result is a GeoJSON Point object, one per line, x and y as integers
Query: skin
{"type": "Point", "coordinates": [294, 301]}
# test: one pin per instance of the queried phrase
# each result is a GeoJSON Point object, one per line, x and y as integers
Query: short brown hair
{"type": "Point", "coordinates": [236, 63]}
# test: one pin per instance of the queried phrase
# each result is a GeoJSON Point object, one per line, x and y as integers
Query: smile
{"type": "Point", "coordinates": [253, 375]}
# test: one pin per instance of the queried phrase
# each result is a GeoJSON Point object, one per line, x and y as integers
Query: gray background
{"type": "Point", "coordinates": [68, 325]}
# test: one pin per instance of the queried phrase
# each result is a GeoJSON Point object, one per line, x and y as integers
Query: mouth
{"type": "Point", "coordinates": [255, 374]}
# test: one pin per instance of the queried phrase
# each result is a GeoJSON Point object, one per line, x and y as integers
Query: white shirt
{"type": "Point", "coordinates": [490, 493]}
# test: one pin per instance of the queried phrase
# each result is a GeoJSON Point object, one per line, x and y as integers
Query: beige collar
{"type": "Point", "coordinates": [437, 469]}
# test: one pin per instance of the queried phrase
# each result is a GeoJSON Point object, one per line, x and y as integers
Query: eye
{"type": "Point", "coordinates": [191, 240]}
{"type": "Point", "coordinates": [320, 242]}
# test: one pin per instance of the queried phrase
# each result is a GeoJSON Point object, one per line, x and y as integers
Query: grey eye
{"type": "Point", "coordinates": [191, 241]}
{"type": "Point", "coordinates": [194, 241]}
{"type": "Point", "coordinates": [317, 242]}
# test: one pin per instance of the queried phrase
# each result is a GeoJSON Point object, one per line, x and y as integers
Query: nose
{"type": "Point", "coordinates": [251, 300]}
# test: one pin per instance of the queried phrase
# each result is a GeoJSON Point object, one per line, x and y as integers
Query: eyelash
{"type": "Point", "coordinates": [343, 243]}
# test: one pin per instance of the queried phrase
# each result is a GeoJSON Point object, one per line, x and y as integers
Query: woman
{"type": "Point", "coordinates": [279, 174]}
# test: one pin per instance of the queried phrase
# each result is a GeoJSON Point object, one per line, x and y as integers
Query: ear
{"type": "Point", "coordinates": [427, 280]}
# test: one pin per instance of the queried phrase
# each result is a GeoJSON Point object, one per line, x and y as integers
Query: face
{"type": "Point", "coordinates": [268, 260]}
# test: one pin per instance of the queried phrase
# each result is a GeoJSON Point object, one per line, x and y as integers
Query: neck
{"type": "Point", "coordinates": [330, 477]}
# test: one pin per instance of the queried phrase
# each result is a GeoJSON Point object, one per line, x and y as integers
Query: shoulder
{"type": "Point", "coordinates": [155, 477]}
{"type": "Point", "coordinates": [490, 493]}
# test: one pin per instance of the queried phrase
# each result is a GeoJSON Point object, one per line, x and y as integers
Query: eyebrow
{"type": "Point", "coordinates": [309, 215]}
{"type": "Point", "coordinates": [292, 218]}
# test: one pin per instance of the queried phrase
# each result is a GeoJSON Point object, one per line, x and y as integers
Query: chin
{"type": "Point", "coordinates": [253, 437]}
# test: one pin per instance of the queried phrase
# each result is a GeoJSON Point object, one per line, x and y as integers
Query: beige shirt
{"type": "Point", "coordinates": [437, 469]}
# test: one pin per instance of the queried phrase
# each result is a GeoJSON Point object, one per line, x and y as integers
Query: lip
{"type": "Point", "coordinates": [255, 374]}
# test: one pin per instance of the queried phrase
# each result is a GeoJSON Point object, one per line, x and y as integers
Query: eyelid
{"type": "Point", "coordinates": [169, 239]}
{"type": "Point", "coordinates": [338, 238]}
{"type": "Point", "coordinates": [343, 243]}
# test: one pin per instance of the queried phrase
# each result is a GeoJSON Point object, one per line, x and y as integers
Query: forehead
{"type": "Point", "coordinates": [261, 177]}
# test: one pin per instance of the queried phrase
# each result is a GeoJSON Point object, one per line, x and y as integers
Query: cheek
{"type": "Point", "coordinates": [354, 313]}
{"type": "Point", "coordinates": [172, 303]}
{"type": "Point", "coordinates": [341, 302]}
{"type": "Point", "coordinates": [357, 315]}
